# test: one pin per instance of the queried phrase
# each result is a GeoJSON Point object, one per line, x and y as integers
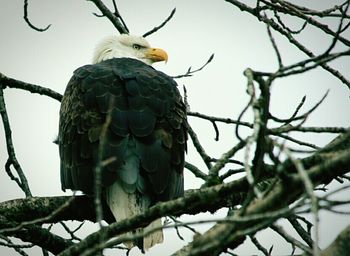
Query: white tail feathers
{"type": "Point", "coordinates": [155, 237]}
{"type": "Point", "coordinates": [124, 205]}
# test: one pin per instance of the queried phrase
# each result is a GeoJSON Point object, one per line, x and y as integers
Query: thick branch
{"type": "Point", "coordinates": [328, 167]}
{"type": "Point", "coordinates": [283, 193]}
{"type": "Point", "coordinates": [21, 210]}
{"type": "Point", "coordinates": [37, 236]}
{"type": "Point", "coordinates": [323, 166]}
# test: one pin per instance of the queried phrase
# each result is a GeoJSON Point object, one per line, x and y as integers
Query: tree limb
{"type": "Point", "coordinates": [322, 167]}
{"type": "Point", "coordinates": [33, 88]}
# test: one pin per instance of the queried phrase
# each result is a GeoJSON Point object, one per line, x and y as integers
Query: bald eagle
{"type": "Point", "coordinates": [145, 136]}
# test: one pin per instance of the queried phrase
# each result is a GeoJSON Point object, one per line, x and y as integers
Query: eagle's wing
{"type": "Point", "coordinates": [145, 109]}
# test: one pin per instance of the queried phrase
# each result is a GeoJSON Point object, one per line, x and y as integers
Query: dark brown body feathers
{"type": "Point", "coordinates": [147, 118]}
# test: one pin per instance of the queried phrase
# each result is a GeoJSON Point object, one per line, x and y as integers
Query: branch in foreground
{"type": "Point", "coordinates": [322, 168]}
{"type": "Point", "coordinates": [38, 236]}
{"type": "Point", "coordinates": [22, 210]}
{"type": "Point", "coordinates": [326, 168]}
{"type": "Point", "coordinates": [232, 234]}
{"type": "Point", "coordinates": [33, 88]}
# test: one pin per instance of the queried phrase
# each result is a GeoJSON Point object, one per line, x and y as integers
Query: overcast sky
{"type": "Point", "coordinates": [199, 28]}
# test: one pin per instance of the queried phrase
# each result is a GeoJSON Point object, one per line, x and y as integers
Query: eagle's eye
{"type": "Point", "coordinates": [136, 46]}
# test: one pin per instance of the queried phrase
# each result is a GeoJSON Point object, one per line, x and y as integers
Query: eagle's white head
{"type": "Point", "coordinates": [136, 47]}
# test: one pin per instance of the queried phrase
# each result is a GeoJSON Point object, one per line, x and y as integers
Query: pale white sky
{"type": "Point", "coordinates": [199, 28]}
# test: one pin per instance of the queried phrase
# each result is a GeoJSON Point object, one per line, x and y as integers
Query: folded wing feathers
{"type": "Point", "coordinates": [147, 135]}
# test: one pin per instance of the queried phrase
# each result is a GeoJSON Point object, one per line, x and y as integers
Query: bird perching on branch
{"type": "Point", "coordinates": [121, 108]}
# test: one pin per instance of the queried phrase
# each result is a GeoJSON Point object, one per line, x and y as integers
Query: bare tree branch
{"type": "Point", "coordinates": [33, 88]}
{"type": "Point", "coordinates": [198, 173]}
{"type": "Point", "coordinates": [321, 167]}
{"type": "Point", "coordinates": [37, 236]}
{"type": "Point", "coordinates": [279, 196]}
{"type": "Point", "coordinates": [155, 29]}
{"type": "Point", "coordinates": [190, 72]}
{"type": "Point", "coordinates": [199, 147]}
{"type": "Point", "coordinates": [25, 16]}
{"type": "Point", "coordinates": [115, 18]}
{"type": "Point", "coordinates": [290, 37]}
{"type": "Point", "coordinates": [285, 188]}
{"type": "Point", "coordinates": [22, 182]}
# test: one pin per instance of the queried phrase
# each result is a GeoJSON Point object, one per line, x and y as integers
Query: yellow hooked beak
{"type": "Point", "coordinates": [156, 54]}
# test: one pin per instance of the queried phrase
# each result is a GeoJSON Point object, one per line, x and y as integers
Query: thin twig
{"type": "Point", "coordinates": [70, 232]}
{"type": "Point", "coordinates": [303, 116]}
{"type": "Point", "coordinates": [289, 120]}
{"type": "Point", "coordinates": [118, 15]}
{"type": "Point", "coordinates": [17, 247]}
{"type": "Point", "coordinates": [291, 38]}
{"type": "Point", "coordinates": [230, 161]}
{"type": "Point", "coordinates": [12, 160]}
{"type": "Point", "coordinates": [308, 129]}
{"type": "Point", "coordinates": [213, 175]}
{"type": "Point", "coordinates": [178, 223]}
{"type": "Point", "coordinates": [259, 246]}
{"type": "Point", "coordinates": [231, 172]}
{"type": "Point", "coordinates": [219, 119]}
{"type": "Point", "coordinates": [240, 116]}
{"type": "Point", "coordinates": [295, 12]}
{"type": "Point", "coordinates": [301, 231]}
{"type": "Point", "coordinates": [25, 16]}
{"type": "Point", "coordinates": [190, 72]}
{"type": "Point", "coordinates": [304, 66]}
{"type": "Point", "coordinates": [155, 29]}
{"type": "Point", "coordinates": [198, 173]}
{"type": "Point", "coordinates": [278, 229]}
{"type": "Point", "coordinates": [324, 13]}
{"type": "Point", "coordinates": [339, 31]}
{"type": "Point", "coordinates": [9, 243]}
{"type": "Point", "coordinates": [274, 45]}
{"type": "Point", "coordinates": [279, 19]}
{"type": "Point", "coordinates": [206, 158]}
